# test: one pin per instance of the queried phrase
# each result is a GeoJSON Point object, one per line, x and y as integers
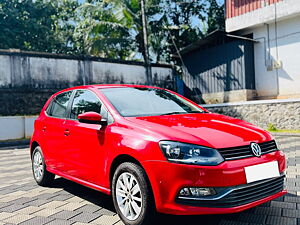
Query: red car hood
{"type": "Point", "coordinates": [207, 129]}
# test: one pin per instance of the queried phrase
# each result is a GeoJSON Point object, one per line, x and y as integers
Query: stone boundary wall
{"type": "Point", "coordinates": [28, 79]}
{"type": "Point", "coordinates": [282, 114]}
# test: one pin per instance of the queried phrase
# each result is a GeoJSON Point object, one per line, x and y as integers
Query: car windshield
{"type": "Point", "coordinates": [136, 102]}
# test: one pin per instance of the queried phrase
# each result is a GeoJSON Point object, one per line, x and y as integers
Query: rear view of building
{"type": "Point", "coordinates": [275, 26]}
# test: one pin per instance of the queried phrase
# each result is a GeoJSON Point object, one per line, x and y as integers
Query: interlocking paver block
{"type": "Point", "coordinates": [292, 198]}
{"type": "Point", "coordinates": [268, 211]}
{"type": "Point", "coordinates": [61, 197]}
{"type": "Point", "coordinates": [46, 196]}
{"type": "Point", "coordinates": [276, 220]}
{"type": "Point", "coordinates": [60, 222]}
{"type": "Point", "coordinates": [79, 223]}
{"type": "Point", "coordinates": [229, 222]}
{"type": "Point", "coordinates": [65, 215]}
{"type": "Point", "coordinates": [18, 219]}
{"type": "Point", "coordinates": [85, 217]}
{"type": "Point", "coordinates": [28, 210]}
{"type": "Point", "coordinates": [12, 208]}
{"type": "Point", "coordinates": [38, 220]}
{"type": "Point", "coordinates": [9, 198]}
{"type": "Point", "coordinates": [106, 220]}
{"type": "Point", "coordinates": [106, 212]}
{"type": "Point", "coordinates": [22, 200]}
{"type": "Point", "coordinates": [37, 203]}
{"type": "Point", "coordinates": [46, 212]}
{"type": "Point", "coordinates": [291, 213]}
{"type": "Point", "coordinates": [89, 208]}
{"type": "Point", "coordinates": [5, 215]}
{"type": "Point", "coordinates": [71, 206]}
{"type": "Point", "coordinates": [75, 199]}
{"type": "Point", "coordinates": [287, 205]}
{"type": "Point", "coordinates": [17, 187]}
{"type": "Point", "coordinates": [4, 204]}
{"type": "Point", "coordinates": [246, 217]}
{"type": "Point", "coordinates": [54, 204]}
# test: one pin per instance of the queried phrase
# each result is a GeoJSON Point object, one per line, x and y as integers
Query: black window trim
{"type": "Point", "coordinates": [69, 108]}
{"type": "Point", "coordinates": [51, 105]}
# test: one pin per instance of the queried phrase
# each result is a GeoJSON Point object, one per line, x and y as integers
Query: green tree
{"type": "Point", "coordinates": [215, 16]}
{"type": "Point", "coordinates": [38, 25]}
{"type": "Point", "coordinates": [177, 26]}
{"type": "Point", "coordinates": [112, 28]}
{"type": "Point", "coordinates": [105, 30]}
{"type": "Point", "coordinates": [26, 25]}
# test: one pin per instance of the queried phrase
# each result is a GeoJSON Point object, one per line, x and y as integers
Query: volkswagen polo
{"type": "Point", "coordinates": [155, 151]}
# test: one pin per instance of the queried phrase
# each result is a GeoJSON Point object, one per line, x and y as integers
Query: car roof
{"type": "Point", "coordinates": [102, 86]}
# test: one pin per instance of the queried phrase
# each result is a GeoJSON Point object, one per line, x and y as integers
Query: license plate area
{"type": "Point", "coordinates": [262, 171]}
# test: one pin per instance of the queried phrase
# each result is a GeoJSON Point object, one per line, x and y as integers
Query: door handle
{"type": "Point", "coordinates": [67, 132]}
{"type": "Point", "coordinates": [44, 128]}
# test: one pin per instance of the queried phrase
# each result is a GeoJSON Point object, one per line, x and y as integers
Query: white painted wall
{"type": "Point", "coordinates": [285, 81]}
{"type": "Point", "coordinates": [16, 127]}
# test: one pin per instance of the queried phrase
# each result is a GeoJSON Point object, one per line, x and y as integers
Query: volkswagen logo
{"type": "Point", "coordinates": [256, 149]}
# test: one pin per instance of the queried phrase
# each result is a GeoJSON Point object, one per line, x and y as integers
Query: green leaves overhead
{"type": "Point", "coordinates": [107, 28]}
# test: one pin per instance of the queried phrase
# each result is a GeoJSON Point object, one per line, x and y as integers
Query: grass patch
{"type": "Point", "coordinates": [272, 128]}
{"type": "Point", "coordinates": [285, 131]}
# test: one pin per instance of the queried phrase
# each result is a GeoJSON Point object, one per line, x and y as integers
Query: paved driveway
{"type": "Point", "coordinates": [23, 202]}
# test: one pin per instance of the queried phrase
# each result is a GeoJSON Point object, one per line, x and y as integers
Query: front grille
{"type": "Point", "coordinates": [242, 195]}
{"type": "Point", "coordinates": [246, 152]}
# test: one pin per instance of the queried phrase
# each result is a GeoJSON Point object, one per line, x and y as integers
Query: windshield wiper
{"type": "Point", "coordinates": [171, 113]}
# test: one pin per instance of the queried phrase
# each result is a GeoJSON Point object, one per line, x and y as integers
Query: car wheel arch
{"type": "Point", "coordinates": [126, 158]}
{"type": "Point", "coordinates": [34, 144]}
{"type": "Point", "coordinates": [118, 161]}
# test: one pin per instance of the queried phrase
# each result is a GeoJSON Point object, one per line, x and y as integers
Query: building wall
{"type": "Point", "coordinates": [283, 47]}
{"type": "Point", "coordinates": [28, 79]}
{"type": "Point", "coordinates": [220, 73]}
{"type": "Point", "coordinates": [281, 114]}
{"type": "Point", "coordinates": [239, 7]}
{"type": "Point", "coordinates": [283, 9]}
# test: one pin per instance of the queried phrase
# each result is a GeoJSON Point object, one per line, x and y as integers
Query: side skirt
{"type": "Point", "coordinates": [79, 181]}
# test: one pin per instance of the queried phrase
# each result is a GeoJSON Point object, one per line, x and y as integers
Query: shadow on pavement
{"type": "Point", "coordinates": [105, 201]}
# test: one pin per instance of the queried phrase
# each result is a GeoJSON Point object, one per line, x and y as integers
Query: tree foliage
{"type": "Point", "coordinates": [107, 28]}
{"type": "Point", "coordinates": [37, 25]}
{"type": "Point", "coordinates": [215, 16]}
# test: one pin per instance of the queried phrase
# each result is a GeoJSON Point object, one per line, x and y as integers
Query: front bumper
{"type": "Point", "coordinates": [167, 179]}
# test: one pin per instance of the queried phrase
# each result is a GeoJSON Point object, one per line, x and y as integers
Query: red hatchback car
{"type": "Point", "coordinates": [155, 151]}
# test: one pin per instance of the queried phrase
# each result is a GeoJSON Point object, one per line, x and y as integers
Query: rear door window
{"type": "Point", "coordinates": [58, 106]}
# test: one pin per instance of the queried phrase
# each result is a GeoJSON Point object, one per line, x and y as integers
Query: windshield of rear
{"type": "Point", "coordinates": [136, 102]}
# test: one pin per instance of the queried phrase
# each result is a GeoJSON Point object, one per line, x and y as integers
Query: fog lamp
{"type": "Point", "coordinates": [196, 192]}
{"type": "Point", "coordinates": [184, 192]}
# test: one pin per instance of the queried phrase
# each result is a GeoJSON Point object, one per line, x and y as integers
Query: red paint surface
{"type": "Point", "coordinates": [85, 154]}
{"type": "Point", "coordinates": [239, 7]}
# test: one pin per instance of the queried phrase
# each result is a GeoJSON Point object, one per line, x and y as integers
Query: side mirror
{"type": "Point", "coordinates": [91, 118]}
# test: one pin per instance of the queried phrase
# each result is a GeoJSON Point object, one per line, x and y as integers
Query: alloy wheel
{"type": "Point", "coordinates": [129, 196]}
{"type": "Point", "coordinates": [38, 166]}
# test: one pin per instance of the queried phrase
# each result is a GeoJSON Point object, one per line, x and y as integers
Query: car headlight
{"type": "Point", "coordinates": [190, 154]}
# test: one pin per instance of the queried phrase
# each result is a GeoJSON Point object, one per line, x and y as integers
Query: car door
{"type": "Point", "coordinates": [86, 151]}
{"type": "Point", "coordinates": [53, 129]}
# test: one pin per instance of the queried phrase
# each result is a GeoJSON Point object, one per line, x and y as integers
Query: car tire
{"type": "Point", "coordinates": [138, 197]}
{"type": "Point", "coordinates": [40, 174]}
